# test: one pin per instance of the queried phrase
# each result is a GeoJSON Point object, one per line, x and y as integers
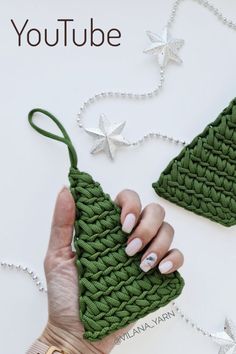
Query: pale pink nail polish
{"type": "Point", "coordinates": [165, 267]}
{"type": "Point", "coordinates": [129, 223]}
{"type": "Point", "coordinates": [148, 262]}
{"type": "Point", "coordinates": [133, 247]}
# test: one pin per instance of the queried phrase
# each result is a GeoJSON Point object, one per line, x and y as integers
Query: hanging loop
{"type": "Point", "coordinates": [65, 139]}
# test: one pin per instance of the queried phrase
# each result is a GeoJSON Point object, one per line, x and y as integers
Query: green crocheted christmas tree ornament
{"type": "Point", "coordinates": [202, 178]}
{"type": "Point", "coordinates": [113, 290]}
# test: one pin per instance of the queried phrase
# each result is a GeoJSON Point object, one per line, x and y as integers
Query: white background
{"type": "Point", "coordinates": [33, 169]}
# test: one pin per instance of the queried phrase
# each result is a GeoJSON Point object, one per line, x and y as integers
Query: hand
{"type": "Point", "coordinates": [149, 230]}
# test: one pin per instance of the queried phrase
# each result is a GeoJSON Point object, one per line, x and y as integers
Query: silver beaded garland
{"type": "Point", "coordinates": [140, 96]}
{"type": "Point", "coordinates": [28, 271]}
{"type": "Point", "coordinates": [189, 321]}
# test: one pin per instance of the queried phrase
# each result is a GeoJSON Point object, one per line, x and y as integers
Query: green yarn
{"type": "Point", "coordinates": [114, 292]}
{"type": "Point", "coordinates": [202, 178]}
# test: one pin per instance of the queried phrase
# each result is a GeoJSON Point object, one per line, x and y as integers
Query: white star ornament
{"type": "Point", "coordinates": [108, 137]}
{"type": "Point", "coordinates": [165, 47]}
{"type": "Point", "coordinates": [227, 338]}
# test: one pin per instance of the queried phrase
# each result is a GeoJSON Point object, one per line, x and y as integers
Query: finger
{"type": "Point", "coordinates": [63, 221]}
{"type": "Point", "coordinates": [131, 207]}
{"type": "Point", "coordinates": [158, 247]}
{"type": "Point", "coordinates": [173, 261]}
{"type": "Point", "coordinates": [151, 220]}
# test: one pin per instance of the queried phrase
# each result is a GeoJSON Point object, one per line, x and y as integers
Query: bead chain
{"type": "Point", "coordinates": [118, 94]}
{"type": "Point", "coordinates": [190, 322]}
{"type": "Point", "coordinates": [40, 286]}
{"type": "Point", "coordinates": [155, 92]}
{"type": "Point", "coordinates": [208, 6]}
{"type": "Point", "coordinates": [19, 268]}
{"type": "Point", "coordinates": [130, 95]}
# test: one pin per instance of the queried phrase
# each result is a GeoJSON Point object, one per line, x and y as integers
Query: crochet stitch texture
{"type": "Point", "coordinates": [202, 178]}
{"type": "Point", "coordinates": [113, 290]}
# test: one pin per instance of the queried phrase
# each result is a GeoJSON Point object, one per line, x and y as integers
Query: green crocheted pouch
{"type": "Point", "coordinates": [113, 290]}
{"type": "Point", "coordinates": [202, 178]}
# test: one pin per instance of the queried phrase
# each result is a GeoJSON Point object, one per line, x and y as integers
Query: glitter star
{"type": "Point", "coordinates": [165, 47]}
{"type": "Point", "coordinates": [108, 137]}
{"type": "Point", "coordinates": [227, 338]}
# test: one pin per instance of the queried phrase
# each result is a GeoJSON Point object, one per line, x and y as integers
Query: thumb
{"type": "Point", "coordinates": [63, 221]}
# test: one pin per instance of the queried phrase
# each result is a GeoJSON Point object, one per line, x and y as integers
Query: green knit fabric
{"type": "Point", "coordinates": [202, 178]}
{"type": "Point", "coordinates": [113, 291]}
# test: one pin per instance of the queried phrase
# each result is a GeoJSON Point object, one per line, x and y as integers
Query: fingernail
{"type": "Point", "coordinates": [148, 262]}
{"type": "Point", "coordinates": [129, 223]}
{"type": "Point", "coordinates": [165, 267]}
{"type": "Point", "coordinates": [133, 247]}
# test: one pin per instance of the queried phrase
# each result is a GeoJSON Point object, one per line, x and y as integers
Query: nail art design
{"type": "Point", "coordinates": [148, 262]}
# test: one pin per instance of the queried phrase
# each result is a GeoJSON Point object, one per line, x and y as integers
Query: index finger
{"type": "Point", "coordinates": [131, 207]}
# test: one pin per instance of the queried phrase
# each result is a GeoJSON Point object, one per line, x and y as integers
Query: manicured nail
{"type": "Point", "coordinates": [148, 262]}
{"type": "Point", "coordinates": [165, 267]}
{"type": "Point", "coordinates": [133, 247]}
{"type": "Point", "coordinates": [129, 223]}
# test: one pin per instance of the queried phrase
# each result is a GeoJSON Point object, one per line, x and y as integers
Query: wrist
{"type": "Point", "coordinates": [58, 337]}
{"type": "Point", "coordinates": [54, 336]}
